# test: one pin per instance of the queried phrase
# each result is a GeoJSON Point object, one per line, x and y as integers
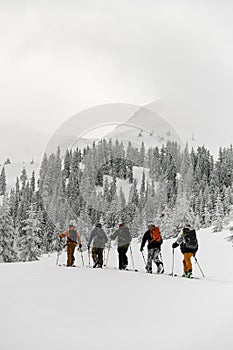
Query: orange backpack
{"type": "Point", "coordinates": [155, 234]}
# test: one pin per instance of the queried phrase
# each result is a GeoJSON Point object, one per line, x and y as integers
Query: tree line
{"type": "Point", "coordinates": [175, 186]}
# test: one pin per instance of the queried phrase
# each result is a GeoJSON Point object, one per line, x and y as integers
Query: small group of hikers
{"type": "Point", "coordinates": [98, 239]}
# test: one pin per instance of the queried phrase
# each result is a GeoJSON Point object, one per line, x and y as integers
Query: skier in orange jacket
{"type": "Point", "coordinates": [72, 238]}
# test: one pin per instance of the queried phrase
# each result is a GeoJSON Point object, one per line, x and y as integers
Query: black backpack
{"type": "Point", "coordinates": [190, 238]}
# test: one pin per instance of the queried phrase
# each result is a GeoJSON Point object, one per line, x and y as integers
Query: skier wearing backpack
{"type": "Point", "coordinates": [99, 238]}
{"type": "Point", "coordinates": [153, 236]}
{"type": "Point", "coordinates": [123, 237]}
{"type": "Point", "coordinates": [72, 238]}
{"type": "Point", "coordinates": [187, 240]}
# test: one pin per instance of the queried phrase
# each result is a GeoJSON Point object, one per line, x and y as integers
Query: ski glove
{"type": "Point", "coordinates": [174, 245]}
{"type": "Point", "coordinates": [80, 245]}
{"type": "Point", "coordinates": [141, 249]}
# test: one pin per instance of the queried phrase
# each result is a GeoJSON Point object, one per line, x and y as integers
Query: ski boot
{"type": "Point", "coordinates": [160, 268]}
{"type": "Point", "coordinates": [189, 274]}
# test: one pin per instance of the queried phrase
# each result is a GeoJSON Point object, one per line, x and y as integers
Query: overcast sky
{"type": "Point", "coordinates": [60, 57]}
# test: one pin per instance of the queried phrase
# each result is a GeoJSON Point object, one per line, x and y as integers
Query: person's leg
{"type": "Point", "coordinates": [100, 257]}
{"type": "Point", "coordinates": [121, 258]}
{"type": "Point", "coordinates": [188, 264]}
{"type": "Point", "coordinates": [157, 261]}
{"type": "Point", "coordinates": [95, 256]}
{"type": "Point", "coordinates": [124, 256]}
{"type": "Point", "coordinates": [73, 246]}
{"type": "Point", "coordinates": [69, 255]}
{"type": "Point", "coordinates": [150, 255]}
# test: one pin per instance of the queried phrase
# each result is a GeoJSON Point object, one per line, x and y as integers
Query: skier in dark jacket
{"type": "Point", "coordinates": [123, 237]}
{"type": "Point", "coordinates": [154, 247]}
{"type": "Point", "coordinates": [99, 238]}
{"type": "Point", "coordinates": [188, 245]}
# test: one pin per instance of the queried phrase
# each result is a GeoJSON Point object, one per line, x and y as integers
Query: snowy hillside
{"type": "Point", "coordinates": [125, 185]}
{"type": "Point", "coordinates": [145, 126]}
{"type": "Point", "coordinates": [44, 306]}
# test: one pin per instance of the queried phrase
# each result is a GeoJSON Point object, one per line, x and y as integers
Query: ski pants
{"type": "Point", "coordinates": [123, 260]}
{"type": "Point", "coordinates": [187, 262]}
{"type": "Point", "coordinates": [70, 253]}
{"type": "Point", "coordinates": [153, 255]}
{"type": "Point", "coordinates": [97, 256]}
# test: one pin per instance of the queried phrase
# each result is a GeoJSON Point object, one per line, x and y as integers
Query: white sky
{"type": "Point", "coordinates": [60, 57]}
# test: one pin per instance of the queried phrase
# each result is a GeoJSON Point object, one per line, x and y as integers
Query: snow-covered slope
{"type": "Point", "coordinates": [125, 184]}
{"type": "Point", "coordinates": [148, 126]}
{"type": "Point", "coordinates": [44, 306]}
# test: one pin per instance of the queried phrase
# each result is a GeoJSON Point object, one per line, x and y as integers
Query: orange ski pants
{"type": "Point", "coordinates": [187, 261]}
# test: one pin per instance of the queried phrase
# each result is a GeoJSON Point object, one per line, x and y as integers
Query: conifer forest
{"type": "Point", "coordinates": [175, 186]}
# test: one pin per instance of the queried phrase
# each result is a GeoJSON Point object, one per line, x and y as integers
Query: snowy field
{"type": "Point", "coordinates": [44, 306]}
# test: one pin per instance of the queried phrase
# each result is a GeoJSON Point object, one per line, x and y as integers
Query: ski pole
{"type": "Point", "coordinates": [104, 256]}
{"type": "Point", "coordinates": [143, 257]}
{"type": "Point", "coordinates": [59, 254]}
{"type": "Point", "coordinates": [173, 254]}
{"type": "Point", "coordinates": [89, 258]}
{"type": "Point", "coordinates": [131, 253]}
{"type": "Point", "coordinates": [106, 262]}
{"type": "Point", "coordinates": [161, 258]}
{"type": "Point", "coordinates": [81, 255]}
{"type": "Point", "coordinates": [199, 267]}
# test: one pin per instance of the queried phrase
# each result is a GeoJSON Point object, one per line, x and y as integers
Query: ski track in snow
{"type": "Point", "coordinates": [44, 306]}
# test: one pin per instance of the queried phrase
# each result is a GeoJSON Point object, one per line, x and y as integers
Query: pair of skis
{"type": "Point", "coordinates": [173, 259]}
{"type": "Point", "coordinates": [59, 254]}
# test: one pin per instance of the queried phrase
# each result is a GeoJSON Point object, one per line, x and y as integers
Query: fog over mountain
{"type": "Point", "coordinates": [20, 143]}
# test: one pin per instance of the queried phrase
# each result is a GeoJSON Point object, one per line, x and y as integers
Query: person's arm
{"type": "Point", "coordinates": [144, 239]}
{"type": "Point", "coordinates": [178, 240]}
{"type": "Point", "coordinates": [114, 235]}
{"type": "Point", "coordinates": [64, 234]}
{"type": "Point", "coordinates": [105, 237]}
{"type": "Point", "coordinates": [90, 239]}
{"type": "Point", "coordinates": [129, 235]}
{"type": "Point", "coordinates": [79, 240]}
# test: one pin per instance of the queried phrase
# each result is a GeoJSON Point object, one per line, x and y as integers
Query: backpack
{"type": "Point", "coordinates": [72, 236]}
{"type": "Point", "coordinates": [190, 238]}
{"type": "Point", "coordinates": [99, 234]}
{"type": "Point", "coordinates": [124, 235]}
{"type": "Point", "coordinates": [155, 234]}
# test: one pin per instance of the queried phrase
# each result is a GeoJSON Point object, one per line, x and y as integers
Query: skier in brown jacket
{"type": "Point", "coordinates": [72, 238]}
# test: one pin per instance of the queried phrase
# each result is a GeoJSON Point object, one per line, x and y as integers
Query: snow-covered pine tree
{"type": "Point", "coordinates": [3, 182]}
{"type": "Point", "coordinates": [182, 213]}
{"type": "Point", "coordinates": [142, 198]}
{"type": "Point", "coordinates": [121, 202]}
{"type": "Point", "coordinates": [8, 234]}
{"type": "Point", "coordinates": [218, 217]}
{"type": "Point", "coordinates": [166, 225]}
{"type": "Point", "coordinates": [29, 240]}
{"type": "Point", "coordinates": [23, 178]}
{"type": "Point", "coordinates": [142, 155]}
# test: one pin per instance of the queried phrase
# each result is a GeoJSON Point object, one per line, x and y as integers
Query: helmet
{"type": "Point", "coordinates": [150, 224]}
{"type": "Point", "coordinates": [72, 223]}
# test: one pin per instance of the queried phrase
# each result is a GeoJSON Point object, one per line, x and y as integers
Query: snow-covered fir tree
{"type": "Point", "coordinates": [8, 234]}
{"type": "Point", "coordinates": [3, 182]}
